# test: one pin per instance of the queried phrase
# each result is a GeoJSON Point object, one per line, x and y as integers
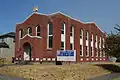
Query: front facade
{"type": "Point", "coordinates": [40, 36]}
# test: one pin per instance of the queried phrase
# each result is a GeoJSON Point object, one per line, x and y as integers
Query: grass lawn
{"type": "Point", "coordinates": [54, 72]}
{"type": "Point", "coordinates": [117, 79]}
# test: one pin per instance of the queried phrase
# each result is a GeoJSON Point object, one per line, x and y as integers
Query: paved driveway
{"type": "Point", "coordinates": [106, 77]}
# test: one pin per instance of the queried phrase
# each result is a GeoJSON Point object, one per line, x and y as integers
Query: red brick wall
{"type": "Point", "coordinates": [39, 46]}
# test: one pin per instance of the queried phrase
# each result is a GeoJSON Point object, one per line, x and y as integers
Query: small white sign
{"type": "Point", "coordinates": [66, 55]}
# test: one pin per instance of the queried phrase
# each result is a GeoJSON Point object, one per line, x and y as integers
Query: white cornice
{"type": "Point", "coordinates": [30, 36]}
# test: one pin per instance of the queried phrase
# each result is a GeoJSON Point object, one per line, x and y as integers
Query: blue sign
{"type": "Point", "coordinates": [66, 53]}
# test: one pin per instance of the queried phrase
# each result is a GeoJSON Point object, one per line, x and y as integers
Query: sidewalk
{"type": "Point", "coordinates": [106, 77]}
{"type": "Point", "coordinates": [6, 77]}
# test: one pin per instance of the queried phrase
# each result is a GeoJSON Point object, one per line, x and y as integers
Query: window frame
{"type": "Point", "coordinates": [81, 50]}
{"type": "Point", "coordinates": [81, 33]}
{"type": "Point", "coordinates": [21, 33]}
{"type": "Point", "coordinates": [63, 33]}
{"type": "Point", "coordinates": [92, 45]}
{"type": "Point", "coordinates": [28, 31]}
{"type": "Point", "coordinates": [49, 35]}
{"type": "Point", "coordinates": [38, 33]}
{"type": "Point", "coordinates": [72, 30]}
{"type": "Point", "coordinates": [96, 45]}
{"type": "Point", "coordinates": [87, 35]}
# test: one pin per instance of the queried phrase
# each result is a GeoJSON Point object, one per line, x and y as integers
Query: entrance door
{"type": "Point", "coordinates": [27, 51]}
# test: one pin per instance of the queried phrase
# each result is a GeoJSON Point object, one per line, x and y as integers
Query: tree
{"type": "Point", "coordinates": [112, 43]}
{"type": "Point", "coordinates": [117, 28]}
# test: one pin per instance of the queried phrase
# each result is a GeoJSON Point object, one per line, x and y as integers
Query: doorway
{"type": "Point", "coordinates": [27, 52]}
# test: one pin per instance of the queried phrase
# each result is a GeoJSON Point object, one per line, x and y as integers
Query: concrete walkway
{"type": "Point", "coordinates": [6, 77]}
{"type": "Point", "coordinates": [106, 77]}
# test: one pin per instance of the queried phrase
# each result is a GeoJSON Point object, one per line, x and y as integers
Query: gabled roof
{"type": "Point", "coordinates": [52, 14]}
{"type": "Point", "coordinates": [10, 34]}
{"type": "Point", "coordinates": [4, 45]}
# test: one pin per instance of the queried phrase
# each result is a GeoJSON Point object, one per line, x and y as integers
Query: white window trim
{"type": "Point", "coordinates": [96, 45]}
{"type": "Point", "coordinates": [82, 50]}
{"type": "Point", "coordinates": [87, 51]}
{"type": "Point", "coordinates": [28, 30]}
{"type": "Point", "coordinates": [92, 46]}
{"type": "Point", "coordinates": [88, 44]}
{"type": "Point", "coordinates": [64, 36]}
{"type": "Point", "coordinates": [48, 37]}
{"type": "Point", "coordinates": [100, 47]}
{"type": "Point", "coordinates": [21, 33]}
{"type": "Point", "coordinates": [72, 37]}
{"type": "Point", "coordinates": [61, 44]}
{"type": "Point", "coordinates": [81, 39]}
{"type": "Point", "coordinates": [103, 46]}
{"type": "Point", "coordinates": [36, 30]}
{"type": "Point", "coordinates": [81, 32]}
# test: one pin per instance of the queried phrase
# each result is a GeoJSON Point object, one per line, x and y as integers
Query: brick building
{"type": "Point", "coordinates": [40, 36]}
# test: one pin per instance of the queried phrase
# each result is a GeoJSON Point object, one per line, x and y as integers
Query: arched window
{"type": "Point", "coordinates": [87, 43]}
{"type": "Point", "coordinates": [50, 35]}
{"type": "Point", "coordinates": [63, 36]}
{"type": "Point", "coordinates": [62, 28]}
{"type": "Point", "coordinates": [38, 31]}
{"type": "Point", "coordinates": [72, 30]}
{"type": "Point", "coordinates": [20, 36]}
{"type": "Point", "coordinates": [100, 46]}
{"type": "Point", "coordinates": [92, 48]}
{"type": "Point", "coordinates": [96, 45]}
{"type": "Point", "coordinates": [81, 33]}
{"type": "Point", "coordinates": [20, 33]}
{"type": "Point", "coordinates": [81, 42]}
{"type": "Point", "coordinates": [103, 45]}
{"type": "Point", "coordinates": [30, 31]}
{"type": "Point", "coordinates": [72, 37]}
{"type": "Point", "coordinates": [87, 35]}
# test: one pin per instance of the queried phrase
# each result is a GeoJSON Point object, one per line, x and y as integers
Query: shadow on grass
{"type": "Point", "coordinates": [110, 67]}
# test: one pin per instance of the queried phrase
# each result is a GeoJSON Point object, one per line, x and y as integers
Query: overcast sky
{"type": "Point", "coordinates": [106, 13]}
